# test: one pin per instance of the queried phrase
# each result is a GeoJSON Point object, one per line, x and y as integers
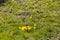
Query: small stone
{"type": "Point", "coordinates": [23, 19]}
{"type": "Point", "coordinates": [2, 1]}
{"type": "Point", "coordinates": [24, 13]}
{"type": "Point", "coordinates": [49, 30]}
{"type": "Point", "coordinates": [47, 38]}
{"type": "Point", "coordinates": [12, 0]}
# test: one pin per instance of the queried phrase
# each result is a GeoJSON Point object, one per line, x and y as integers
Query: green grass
{"type": "Point", "coordinates": [45, 13]}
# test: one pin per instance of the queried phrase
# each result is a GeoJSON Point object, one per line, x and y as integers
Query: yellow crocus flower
{"type": "Point", "coordinates": [28, 28]}
{"type": "Point", "coordinates": [35, 25]}
{"type": "Point", "coordinates": [30, 16]}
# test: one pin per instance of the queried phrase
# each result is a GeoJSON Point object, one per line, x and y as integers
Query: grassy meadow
{"type": "Point", "coordinates": [30, 20]}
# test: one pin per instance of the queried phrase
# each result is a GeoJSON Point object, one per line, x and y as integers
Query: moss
{"type": "Point", "coordinates": [45, 13]}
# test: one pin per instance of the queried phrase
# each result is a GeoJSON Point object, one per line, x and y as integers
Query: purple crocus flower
{"type": "Point", "coordinates": [26, 25]}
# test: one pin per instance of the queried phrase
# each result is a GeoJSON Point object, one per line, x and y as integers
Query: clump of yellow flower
{"type": "Point", "coordinates": [25, 28]}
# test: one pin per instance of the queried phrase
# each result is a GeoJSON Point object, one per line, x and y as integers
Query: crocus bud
{"type": "Point", "coordinates": [26, 24]}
